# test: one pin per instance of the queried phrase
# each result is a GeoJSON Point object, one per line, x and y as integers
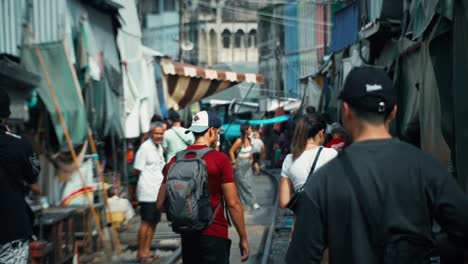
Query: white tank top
{"type": "Point", "coordinates": [245, 152]}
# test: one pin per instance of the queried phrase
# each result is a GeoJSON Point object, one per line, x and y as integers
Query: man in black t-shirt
{"type": "Point", "coordinates": [384, 211]}
{"type": "Point", "coordinates": [18, 168]}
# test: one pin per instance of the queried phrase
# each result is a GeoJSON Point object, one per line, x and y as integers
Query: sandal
{"type": "Point", "coordinates": [147, 259]}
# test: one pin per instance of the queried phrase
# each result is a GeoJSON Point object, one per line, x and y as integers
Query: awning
{"type": "Point", "coordinates": [345, 28]}
{"type": "Point", "coordinates": [187, 84]}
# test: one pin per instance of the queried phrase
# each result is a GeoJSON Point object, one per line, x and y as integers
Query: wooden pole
{"type": "Point", "coordinates": [115, 235]}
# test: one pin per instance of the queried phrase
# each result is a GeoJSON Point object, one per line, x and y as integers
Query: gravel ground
{"type": "Point", "coordinates": [280, 243]}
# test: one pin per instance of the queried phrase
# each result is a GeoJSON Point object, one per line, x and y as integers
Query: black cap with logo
{"type": "Point", "coordinates": [369, 89]}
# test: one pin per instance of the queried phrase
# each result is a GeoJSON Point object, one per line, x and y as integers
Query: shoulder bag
{"type": "Point", "coordinates": [180, 137]}
{"type": "Point", "coordinates": [292, 204]}
{"type": "Point", "coordinates": [398, 248]}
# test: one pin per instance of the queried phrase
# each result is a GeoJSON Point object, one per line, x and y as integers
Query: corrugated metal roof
{"type": "Point", "coordinates": [10, 25]}
{"type": "Point", "coordinates": [48, 20]}
{"type": "Point", "coordinates": [46, 17]}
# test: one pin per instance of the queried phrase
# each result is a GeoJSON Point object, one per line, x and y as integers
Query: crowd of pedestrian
{"type": "Point", "coordinates": [347, 185]}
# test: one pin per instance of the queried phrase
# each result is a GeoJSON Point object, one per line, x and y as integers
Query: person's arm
{"type": "Point", "coordinates": [234, 206]}
{"type": "Point", "coordinates": [161, 197]}
{"type": "Point", "coordinates": [139, 163]}
{"type": "Point", "coordinates": [232, 152]}
{"type": "Point", "coordinates": [36, 188]}
{"type": "Point", "coordinates": [286, 187]}
{"type": "Point", "coordinates": [285, 191]}
{"type": "Point", "coordinates": [308, 240]}
{"type": "Point", "coordinates": [450, 207]}
{"type": "Point", "coordinates": [165, 143]}
{"type": "Point", "coordinates": [263, 152]}
{"type": "Point", "coordinates": [31, 163]}
{"type": "Point", "coordinates": [162, 190]}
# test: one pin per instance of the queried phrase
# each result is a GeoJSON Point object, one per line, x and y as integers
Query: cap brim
{"type": "Point", "coordinates": [196, 129]}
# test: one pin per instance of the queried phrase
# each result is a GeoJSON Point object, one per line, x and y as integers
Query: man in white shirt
{"type": "Point", "coordinates": [175, 138]}
{"type": "Point", "coordinates": [148, 166]}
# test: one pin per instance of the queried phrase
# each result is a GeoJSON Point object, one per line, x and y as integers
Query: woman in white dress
{"type": "Point", "coordinates": [307, 139]}
{"type": "Point", "coordinates": [242, 164]}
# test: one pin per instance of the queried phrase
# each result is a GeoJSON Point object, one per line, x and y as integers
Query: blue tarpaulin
{"type": "Point", "coordinates": [274, 120]}
{"type": "Point", "coordinates": [345, 27]}
{"type": "Point", "coordinates": [233, 130]}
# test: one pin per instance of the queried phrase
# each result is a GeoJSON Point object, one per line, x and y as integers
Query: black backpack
{"type": "Point", "coordinates": [187, 202]}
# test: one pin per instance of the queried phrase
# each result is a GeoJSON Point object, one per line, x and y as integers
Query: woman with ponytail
{"type": "Point", "coordinates": [307, 140]}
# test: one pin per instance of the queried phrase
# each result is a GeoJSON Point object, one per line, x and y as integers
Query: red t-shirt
{"type": "Point", "coordinates": [219, 171]}
{"type": "Point", "coordinates": [337, 144]}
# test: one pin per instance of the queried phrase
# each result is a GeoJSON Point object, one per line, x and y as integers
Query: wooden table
{"type": "Point", "coordinates": [56, 227]}
{"type": "Point", "coordinates": [85, 231]}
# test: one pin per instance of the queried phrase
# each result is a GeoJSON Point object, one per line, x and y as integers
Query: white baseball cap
{"type": "Point", "coordinates": [204, 120]}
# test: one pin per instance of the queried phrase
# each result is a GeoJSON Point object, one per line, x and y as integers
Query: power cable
{"type": "Point", "coordinates": [290, 18]}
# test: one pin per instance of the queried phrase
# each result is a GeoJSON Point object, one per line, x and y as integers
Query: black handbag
{"type": "Point", "coordinates": [292, 204]}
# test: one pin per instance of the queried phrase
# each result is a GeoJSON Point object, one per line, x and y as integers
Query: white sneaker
{"type": "Point", "coordinates": [256, 206]}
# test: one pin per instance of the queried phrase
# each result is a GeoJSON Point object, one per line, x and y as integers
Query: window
{"type": "Point", "coordinates": [149, 7]}
{"type": "Point", "coordinates": [252, 39]}
{"type": "Point", "coordinates": [170, 5]}
{"type": "Point", "coordinates": [226, 39]}
{"type": "Point", "coordinates": [238, 38]}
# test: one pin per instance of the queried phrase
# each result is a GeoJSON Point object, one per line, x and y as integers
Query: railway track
{"type": "Point", "coordinates": [260, 225]}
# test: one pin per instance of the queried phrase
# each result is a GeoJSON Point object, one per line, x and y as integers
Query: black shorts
{"type": "Point", "coordinates": [256, 157]}
{"type": "Point", "coordinates": [205, 249]}
{"type": "Point", "coordinates": [149, 213]}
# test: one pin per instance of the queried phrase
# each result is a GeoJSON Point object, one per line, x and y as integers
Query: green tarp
{"type": "Point", "coordinates": [423, 12]}
{"type": "Point", "coordinates": [104, 105]}
{"type": "Point", "coordinates": [69, 99]}
{"type": "Point", "coordinates": [445, 87]}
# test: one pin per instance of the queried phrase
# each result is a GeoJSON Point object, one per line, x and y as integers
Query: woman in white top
{"type": "Point", "coordinates": [307, 139]}
{"type": "Point", "coordinates": [242, 164]}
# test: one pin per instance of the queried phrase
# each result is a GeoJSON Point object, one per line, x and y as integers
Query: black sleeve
{"type": "Point", "coordinates": [308, 241]}
{"type": "Point", "coordinates": [450, 207]}
{"type": "Point", "coordinates": [31, 166]}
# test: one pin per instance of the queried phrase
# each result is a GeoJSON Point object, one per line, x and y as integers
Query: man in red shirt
{"type": "Point", "coordinates": [337, 142]}
{"type": "Point", "coordinates": [213, 244]}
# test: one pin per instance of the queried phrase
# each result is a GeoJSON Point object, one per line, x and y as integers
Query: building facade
{"type": "Point", "coordinates": [160, 22]}
{"type": "Point", "coordinates": [271, 49]}
{"type": "Point", "coordinates": [221, 32]}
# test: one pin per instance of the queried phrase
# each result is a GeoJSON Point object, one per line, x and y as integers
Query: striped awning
{"type": "Point", "coordinates": [187, 84]}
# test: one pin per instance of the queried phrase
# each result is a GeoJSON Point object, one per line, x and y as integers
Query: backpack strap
{"type": "Point", "coordinates": [372, 224]}
{"type": "Point", "coordinates": [200, 153]}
